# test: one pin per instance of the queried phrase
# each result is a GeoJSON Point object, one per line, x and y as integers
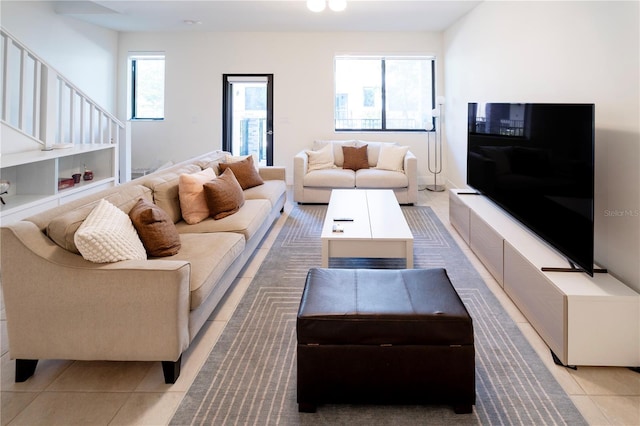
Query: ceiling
{"type": "Point", "coordinates": [266, 15]}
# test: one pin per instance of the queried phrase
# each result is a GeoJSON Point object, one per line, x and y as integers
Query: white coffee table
{"type": "Point", "coordinates": [378, 228]}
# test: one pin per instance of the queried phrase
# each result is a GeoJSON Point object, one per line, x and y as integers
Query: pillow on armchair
{"type": "Point", "coordinates": [321, 159]}
{"type": "Point", "coordinates": [338, 157]}
{"type": "Point", "coordinates": [391, 157]}
{"type": "Point", "coordinates": [355, 158]}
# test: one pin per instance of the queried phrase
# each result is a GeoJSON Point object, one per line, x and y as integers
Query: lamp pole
{"type": "Point", "coordinates": [436, 167]}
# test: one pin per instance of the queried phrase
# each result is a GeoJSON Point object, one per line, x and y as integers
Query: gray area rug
{"type": "Point", "coordinates": [250, 375]}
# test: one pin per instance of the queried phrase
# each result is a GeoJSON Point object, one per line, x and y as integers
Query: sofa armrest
{"type": "Point", "coordinates": [300, 167]}
{"type": "Point", "coordinates": [411, 170]}
{"type": "Point", "coordinates": [60, 306]}
{"type": "Point", "coordinates": [272, 173]}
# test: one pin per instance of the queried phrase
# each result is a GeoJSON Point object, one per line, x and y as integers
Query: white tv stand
{"type": "Point", "coordinates": [584, 320]}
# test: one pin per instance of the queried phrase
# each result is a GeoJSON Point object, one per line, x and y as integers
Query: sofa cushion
{"type": "Point", "coordinates": [224, 195]}
{"type": "Point", "coordinates": [246, 221]}
{"type": "Point", "coordinates": [155, 228]}
{"type": "Point", "coordinates": [330, 178]}
{"type": "Point", "coordinates": [165, 190]}
{"type": "Point", "coordinates": [61, 229]}
{"type": "Point", "coordinates": [271, 190]}
{"type": "Point", "coordinates": [212, 160]}
{"type": "Point", "coordinates": [355, 158]}
{"type": "Point", "coordinates": [245, 172]}
{"type": "Point", "coordinates": [373, 150]}
{"type": "Point", "coordinates": [191, 193]}
{"type": "Point", "coordinates": [375, 178]}
{"type": "Point", "coordinates": [391, 157]}
{"type": "Point", "coordinates": [320, 159]}
{"type": "Point", "coordinates": [208, 266]}
{"type": "Point", "coordinates": [107, 235]}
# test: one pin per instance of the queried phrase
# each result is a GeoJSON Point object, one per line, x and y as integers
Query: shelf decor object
{"type": "Point", "coordinates": [4, 189]}
{"type": "Point", "coordinates": [435, 165]}
{"type": "Point", "coordinates": [64, 183]}
{"type": "Point", "coordinates": [88, 174]}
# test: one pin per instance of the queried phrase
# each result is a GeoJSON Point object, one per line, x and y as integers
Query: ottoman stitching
{"type": "Point", "coordinates": [355, 290]}
{"type": "Point", "coordinates": [406, 289]}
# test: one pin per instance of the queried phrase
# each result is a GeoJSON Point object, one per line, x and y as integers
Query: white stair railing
{"type": "Point", "coordinates": [45, 106]}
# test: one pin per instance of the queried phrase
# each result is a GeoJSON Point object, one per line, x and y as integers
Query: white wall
{"type": "Point", "coordinates": [83, 53]}
{"type": "Point", "coordinates": [560, 52]}
{"type": "Point", "coordinates": [501, 51]}
{"type": "Point", "coordinates": [302, 64]}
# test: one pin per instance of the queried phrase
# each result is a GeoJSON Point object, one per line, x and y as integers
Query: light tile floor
{"type": "Point", "coordinates": [134, 393]}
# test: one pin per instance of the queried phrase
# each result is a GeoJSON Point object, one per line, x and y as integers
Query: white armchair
{"type": "Point", "coordinates": [315, 186]}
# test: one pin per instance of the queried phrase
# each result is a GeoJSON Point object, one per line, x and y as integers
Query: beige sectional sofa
{"type": "Point", "coordinates": [315, 185]}
{"type": "Point", "coordinates": [61, 306]}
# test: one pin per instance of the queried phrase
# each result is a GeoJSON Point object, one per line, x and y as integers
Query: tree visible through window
{"type": "Point", "coordinates": [384, 93]}
{"type": "Point", "coordinates": [147, 87]}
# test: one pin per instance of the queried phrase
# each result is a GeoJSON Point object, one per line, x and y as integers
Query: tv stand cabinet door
{"type": "Point", "coordinates": [541, 302]}
{"type": "Point", "coordinates": [487, 244]}
{"type": "Point", "coordinates": [459, 215]}
{"type": "Point", "coordinates": [591, 316]}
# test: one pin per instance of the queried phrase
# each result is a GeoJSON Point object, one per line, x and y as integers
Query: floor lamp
{"type": "Point", "coordinates": [435, 165]}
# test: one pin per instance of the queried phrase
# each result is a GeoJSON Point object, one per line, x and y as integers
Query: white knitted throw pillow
{"type": "Point", "coordinates": [107, 235]}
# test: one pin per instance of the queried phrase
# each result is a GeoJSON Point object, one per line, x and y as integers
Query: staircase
{"type": "Point", "coordinates": [50, 130]}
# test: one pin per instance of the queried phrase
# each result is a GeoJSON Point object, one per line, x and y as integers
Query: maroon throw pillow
{"type": "Point", "coordinates": [245, 172]}
{"type": "Point", "coordinates": [155, 228]}
{"type": "Point", "coordinates": [224, 195]}
{"type": "Point", "coordinates": [355, 158]}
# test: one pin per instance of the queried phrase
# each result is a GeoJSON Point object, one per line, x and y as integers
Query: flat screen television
{"type": "Point", "coordinates": [536, 161]}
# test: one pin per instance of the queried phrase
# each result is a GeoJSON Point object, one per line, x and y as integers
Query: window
{"type": "Point", "coordinates": [147, 87]}
{"type": "Point", "coordinates": [384, 93]}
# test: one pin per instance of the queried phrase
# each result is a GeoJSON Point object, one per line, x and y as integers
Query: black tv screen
{"type": "Point", "coordinates": [536, 161]}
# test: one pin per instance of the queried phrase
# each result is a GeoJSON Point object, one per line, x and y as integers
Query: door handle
{"type": "Point", "coordinates": [269, 132]}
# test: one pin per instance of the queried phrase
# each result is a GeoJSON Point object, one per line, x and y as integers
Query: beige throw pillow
{"type": "Point", "coordinates": [391, 157]}
{"type": "Point", "coordinates": [155, 228]}
{"type": "Point", "coordinates": [224, 195]}
{"type": "Point", "coordinates": [107, 235]}
{"type": "Point", "coordinates": [321, 159]}
{"type": "Point", "coordinates": [191, 193]}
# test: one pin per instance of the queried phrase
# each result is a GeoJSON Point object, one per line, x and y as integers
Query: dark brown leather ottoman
{"type": "Point", "coordinates": [384, 336]}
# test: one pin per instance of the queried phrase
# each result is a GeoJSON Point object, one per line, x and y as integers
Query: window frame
{"type": "Point", "coordinates": [383, 116]}
{"type": "Point", "coordinates": [133, 59]}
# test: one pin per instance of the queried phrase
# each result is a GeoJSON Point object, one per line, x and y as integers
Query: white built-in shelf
{"type": "Point", "coordinates": [34, 177]}
{"type": "Point", "coordinates": [19, 158]}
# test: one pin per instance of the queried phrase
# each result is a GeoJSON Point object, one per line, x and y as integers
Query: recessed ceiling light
{"type": "Point", "coordinates": [192, 22]}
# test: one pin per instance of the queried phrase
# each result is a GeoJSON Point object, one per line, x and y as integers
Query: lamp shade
{"type": "Point", "coordinates": [316, 5]}
{"type": "Point", "coordinates": [337, 5]}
